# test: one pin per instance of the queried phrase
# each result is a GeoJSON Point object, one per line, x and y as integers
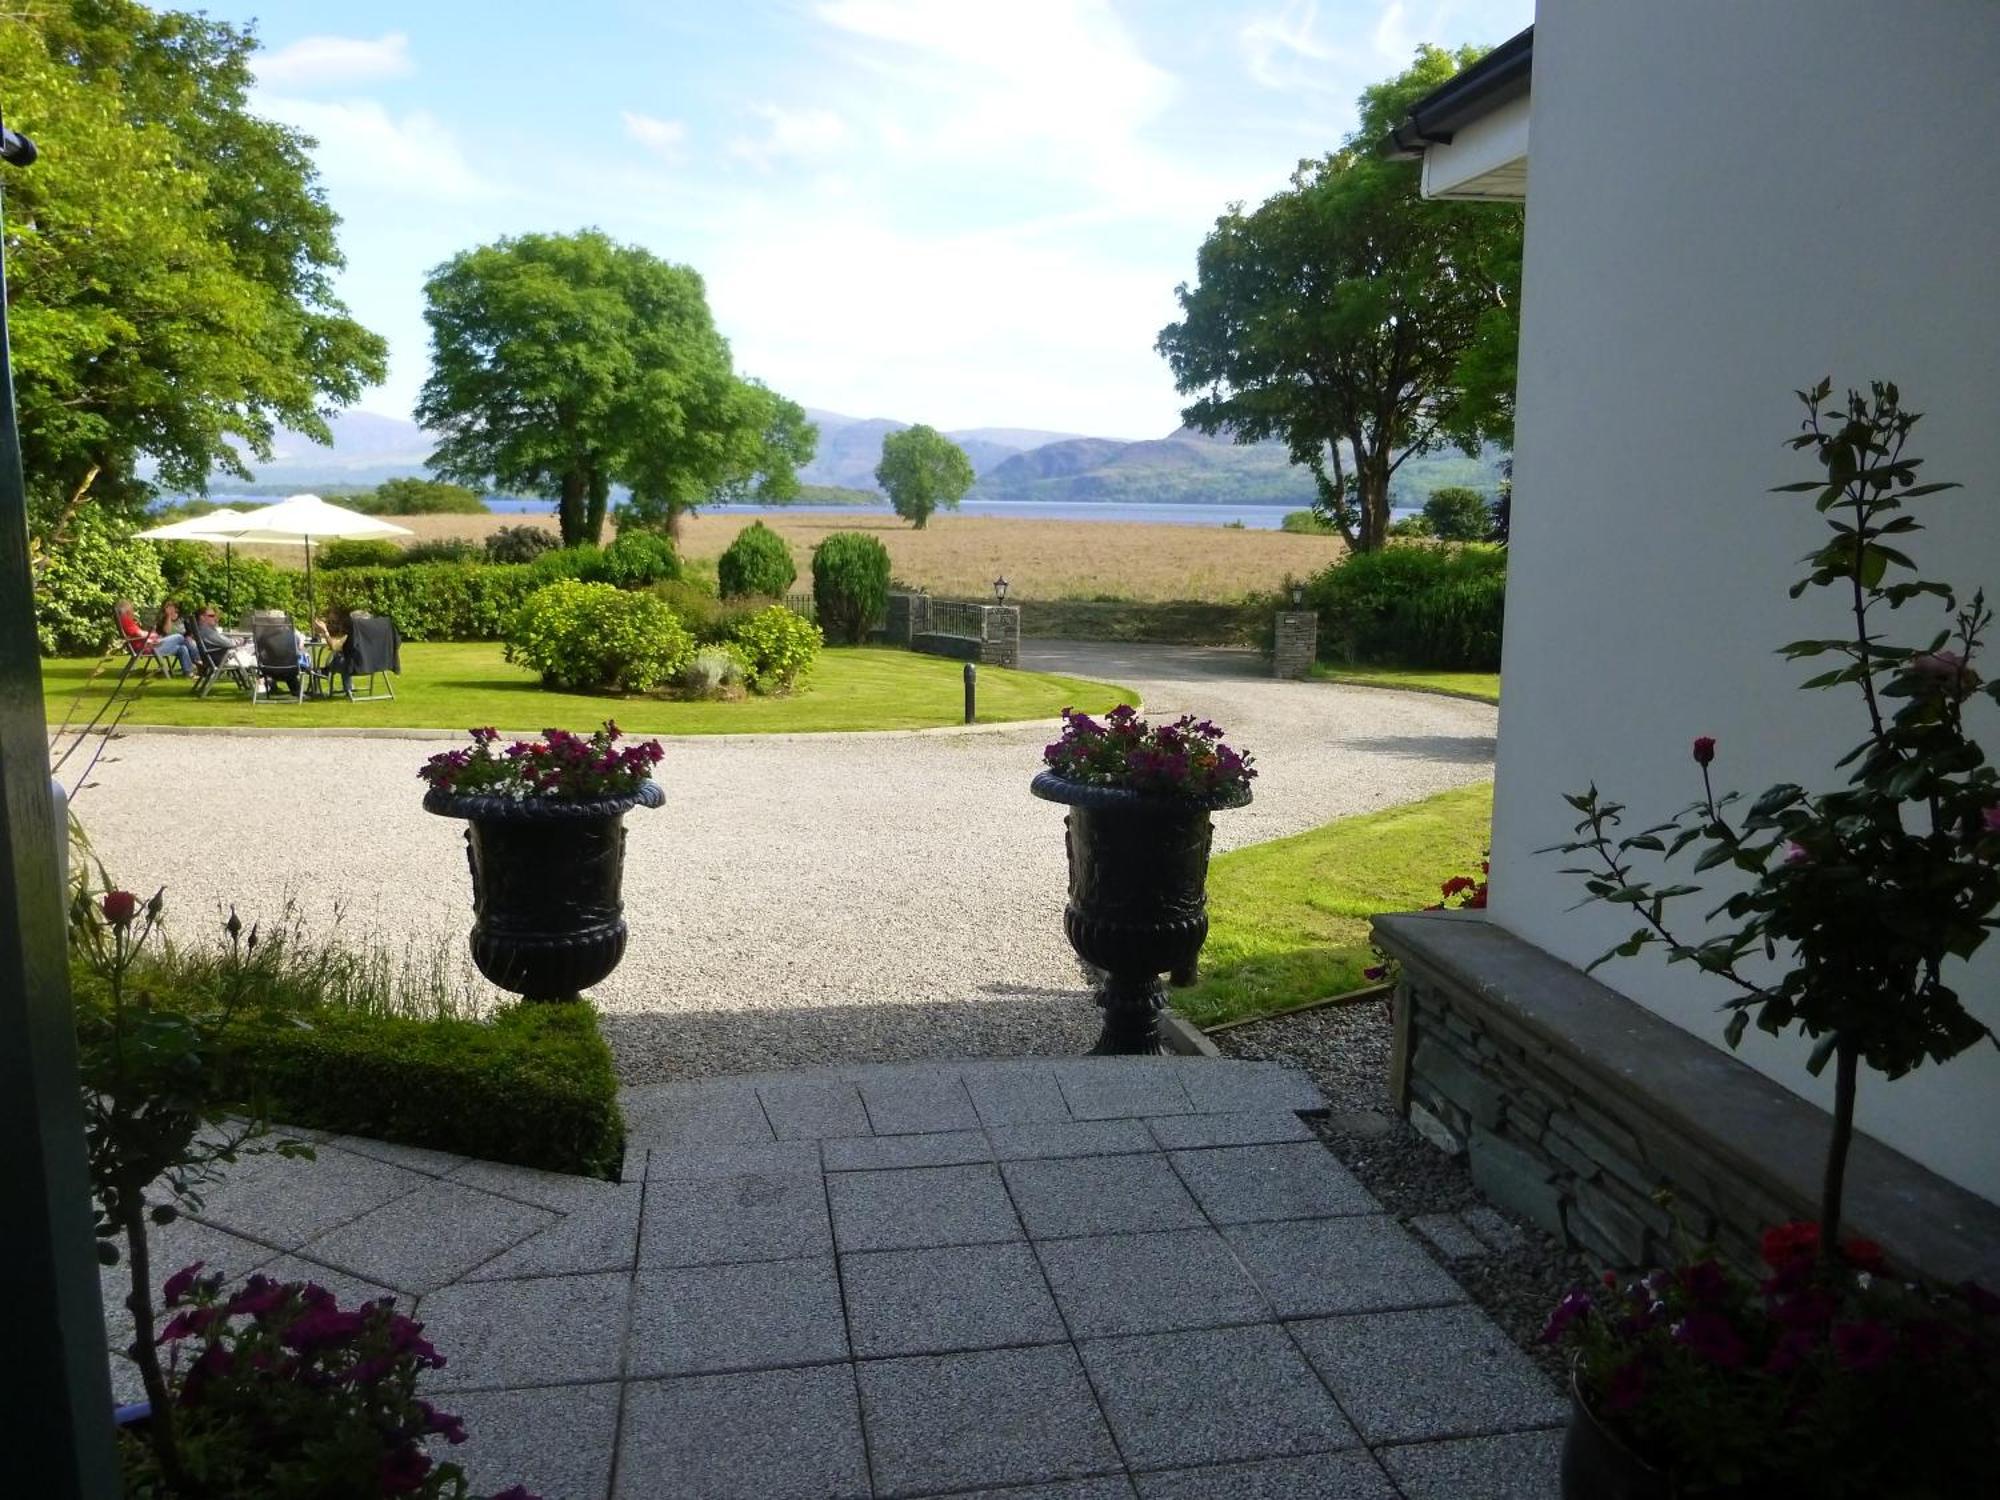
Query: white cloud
{"type": "Point", "coordinates": [1289, 50]}
{"type": "Point", "coordinates": [809, 134]}
{"type": "Point", "coordinates": [362, 146]}
{"type": "Point", "coordinates": [664, 138]}
{"type": "Point", "coordinates": [320, 61]}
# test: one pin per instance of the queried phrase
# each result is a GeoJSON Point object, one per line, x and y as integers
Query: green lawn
{"type": "Point", "coordinates": [1288, 920]}
{"type": "Point", "coordinates": [1485, 686]}
{"type": "Point", "coordinates": [455, 686]}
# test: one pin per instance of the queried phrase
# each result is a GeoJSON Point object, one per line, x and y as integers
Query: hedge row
{"type": "Point", "coordinates": [533, 1085]}
{"type": "Point", "coordinates": [1416, 605]}
{"type": "Point", "coordinates": [1175, 622]}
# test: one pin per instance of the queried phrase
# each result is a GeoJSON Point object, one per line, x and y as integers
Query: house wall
{"type": "Point", "coordinates": [1729, 201]}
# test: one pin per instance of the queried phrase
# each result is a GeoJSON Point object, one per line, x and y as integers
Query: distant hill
{"type": "Point", "coordinates": [1185, 467]}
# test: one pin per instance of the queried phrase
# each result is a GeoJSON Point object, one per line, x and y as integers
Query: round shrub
{"type": "Point", "coordinates": [448, 549]}
{"type": "Point", "coordinates": [357, 552]}
{"type": "Point", "coordinates": [850, 583]}
{"type": "Point", "coordinates": [758, 563]}
{"type": "Point", "coordinates": [1459, 514]}
{"type": "Point", "coordinates": [636, 559]}
{"type": "Point", "coordinates": [569, 562]}
{"type": "Point", "coordinates": [779, 646]}
{"type": "Point", "coordinates": [592, 637]}
{"type": "Point", "coordinates": [713, 672]}
{"type": "Point", "coordinates": [519, 544]}
{"type": "Point", "coordinates": [82, 578]}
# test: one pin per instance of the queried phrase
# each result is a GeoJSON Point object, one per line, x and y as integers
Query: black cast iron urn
{"type": "Point", "coordinates": [1138, 896]}
{"type": "Point", "coordinates": [548, 914]}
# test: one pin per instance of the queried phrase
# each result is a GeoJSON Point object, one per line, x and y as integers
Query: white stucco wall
{"type": "Point", "coordinates": [1729, 201]}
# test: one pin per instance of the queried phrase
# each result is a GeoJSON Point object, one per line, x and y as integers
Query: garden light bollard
{"type": "Point", "coordinates": [971, 692]}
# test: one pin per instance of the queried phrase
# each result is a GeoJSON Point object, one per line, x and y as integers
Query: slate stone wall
{"type": "Point", "coordinates": [1297, 643]}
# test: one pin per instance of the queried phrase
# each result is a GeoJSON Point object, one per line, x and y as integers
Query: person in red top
{"type": "Point", "coordinates": [169, 642]}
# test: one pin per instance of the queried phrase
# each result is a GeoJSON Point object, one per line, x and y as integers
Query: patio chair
{"type": "Point", "coordinates": [373, 649]}
{"type": "Point", "coordinates": [219, 662]}
{"type": "Point", "coordinates": [135, 643]}
{"type": "Point", "coordinates": [278, 665]}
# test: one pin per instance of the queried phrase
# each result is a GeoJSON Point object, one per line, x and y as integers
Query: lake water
{"type": "Point", "coordinates": [1253, 517]}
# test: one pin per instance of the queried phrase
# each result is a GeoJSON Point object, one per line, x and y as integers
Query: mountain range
{"type": "Point", "coordinates": [1012, 463]}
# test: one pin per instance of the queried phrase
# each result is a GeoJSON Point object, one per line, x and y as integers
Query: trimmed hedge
{"type": "Point", "coordinates": [198, 574]}
{"type": "Point", "coordinates": [533, 1085]}
{"type": "Point", "coordinates": [1416, 605]}
{"type": "Point", "coordinates": [83, 579]}
{"type": "Point", "coordinates": [434, 601]}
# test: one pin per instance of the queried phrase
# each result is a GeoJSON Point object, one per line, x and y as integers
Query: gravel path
{"type": "Point", "coordinates": [800, 899]}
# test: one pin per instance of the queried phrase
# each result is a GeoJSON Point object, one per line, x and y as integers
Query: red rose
{"type": "Point", "coordinates": [1786, 1246]}
{"type": "Point", "coordinates": [1704, 750]}
{"type": "Point", "coordinates": [119, 907]}
{"type": "Point", "coordinates": [1863, 1255]}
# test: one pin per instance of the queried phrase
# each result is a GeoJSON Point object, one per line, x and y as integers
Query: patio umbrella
{"type": "Point", "coordinates": [305, 519]}
{"type": "Point", "coordinates": [212, 527]}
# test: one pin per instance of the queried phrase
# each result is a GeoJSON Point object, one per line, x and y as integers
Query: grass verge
{"type": "Point", "coordinates": [453, 685]}
{"type": "Point", "coordinates": [1484, 686]}
{"type": "Point", "coordinates": [1288, 920]}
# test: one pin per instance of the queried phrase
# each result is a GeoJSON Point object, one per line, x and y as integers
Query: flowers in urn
{"type": "Point", "coordinates": [1186, 758]}
{"type": "Point", "coordinates": [560, 766]}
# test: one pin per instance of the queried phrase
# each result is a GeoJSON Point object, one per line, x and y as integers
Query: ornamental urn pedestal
{"type": "Point", "coordinates": [1138, 896]}
{"type": "Point", "coordinates": [548, 913]}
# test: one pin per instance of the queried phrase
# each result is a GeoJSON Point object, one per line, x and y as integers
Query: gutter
{"type": "Point", "coordinates": [1501, 75]}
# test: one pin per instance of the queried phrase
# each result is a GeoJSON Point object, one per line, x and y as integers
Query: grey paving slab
{"type": "Point", "coordinates": [1233, 1087]}
{"type": "Point", "coordinates": [1015, 1096]}
{"type": "Point", "coordinates": [552, 1190]}
{"type": "Point", "coordinates": [556, 1441]}
{"type": "Point", "coordinates": [920, 1206]}
{"type": "Point", "coordinates": [426, 1239]}
{"type": "Point", "coordinates": [947, 1422]}
{"type": "Point", "coordinates": [1177, 1400]}
{"type": "Point", "coordinates": [763, 1435]}
{"type": "Point", "coordinates": [553, 1330]}
{"type": "Point", "coordinates": [700, 1320]}
{"type": "Point", "coordinates": [1100, 1195]}
{"type": "Point", "coordinates": [1149, 1283]}
{"type": "Point", "coordinates": [1251, 1128]}
{"type": "Point", "coordinates": [285, 1202]}
{"type": "Point", "coordinates": [915, 1103]}
{"type": "Point", "coordinates": [1108, 1487]}
{"type": "Point", "coordinates": [1310, 1267]}
{"type": "Point", "coordinates": [1111, 1088]}
{"type": "Point", "coordinates": [1494, 1228]}
{"type": "Point", "coordinates": [416, 1158]}
{"type": "Point", "coordinates": [350, 1291]}
{"type": "Point", "coordinates": [752, 1216]}
{"type": "Point", "coordinates": [1434, 1373]}
{"type": "Point", "coordinates": [764, 1158]}
{"type": "Point", "coordinates": [813, 1108]}
{"type": "Point", "coordinates": [1322, 1476]}
{"type": "Point", "coordinates": [1246, 1184]}
{"type": "Point", "coordinates": [1052, 1138]}
{"type": "Point", "coordinates": [943, 1299]}
{"type": "Point", "coordinates": [1515, 1466]}
{"type": "Point", "coordinates": [685, 1116]}
{"type": "Point", "coordinates": [875, 1153]}
{"type": "Point", "coordinates": [601, 1234]}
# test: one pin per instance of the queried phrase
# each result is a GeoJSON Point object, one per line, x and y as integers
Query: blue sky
{"type": "Point", "coordinates": [952, 211]}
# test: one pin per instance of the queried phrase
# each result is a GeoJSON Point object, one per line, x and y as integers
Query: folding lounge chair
{"type": "Point", "coordinates": [277, 649]}
{"type": "Point", "coordinates": [373, 649]}
{"type": "Point", "coordinates": [219, 662]}
{"type": "Point", "coordinates": [137, 648]}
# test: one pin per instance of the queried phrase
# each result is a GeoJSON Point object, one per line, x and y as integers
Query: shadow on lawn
{"type": "Point", "coordinates": [658, 1047]}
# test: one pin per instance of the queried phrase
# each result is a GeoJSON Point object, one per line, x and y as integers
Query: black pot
{"type": "Point", "coordinates": [1138, 896]}
{"type": "Point", "coordinates": [1596, 1466]}
{"type": "Point", "coordinates": [548, 917]}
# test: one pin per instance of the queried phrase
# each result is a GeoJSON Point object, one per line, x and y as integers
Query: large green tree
{"type": "Point", "coordinates": [1354, 319]}
{"type": "Point", "coordinates": [170, 260]}
{"type": "Point", "coordinates": [920, 470]}
{"type": "Point", "coordinates": [564, 364]}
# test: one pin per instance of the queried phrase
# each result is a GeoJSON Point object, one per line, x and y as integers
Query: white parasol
{"type": "Point", "coordinates": [212, 527]}
{"type": "Point", "coordinates": [303, 519]}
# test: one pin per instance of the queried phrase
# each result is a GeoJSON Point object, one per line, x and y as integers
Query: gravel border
{"type": "Point", "coordinates": [1519, 1273]}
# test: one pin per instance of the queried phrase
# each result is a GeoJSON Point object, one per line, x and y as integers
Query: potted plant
{"type": "Point", "coordinates": [1848, 915]}
{"type": "Point", "coordinates": [545, 837]}
{"type": "Point", "coordinates": [1138, 836]}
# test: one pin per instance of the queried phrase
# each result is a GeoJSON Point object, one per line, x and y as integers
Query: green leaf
{"type": "Point", "coordinates": [1821, 1052]}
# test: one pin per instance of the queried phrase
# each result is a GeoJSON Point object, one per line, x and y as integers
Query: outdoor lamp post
{"type": "Point", "coordinates": [1000, 587]}
{"type": "Point", "coordinates": [1298, 596]}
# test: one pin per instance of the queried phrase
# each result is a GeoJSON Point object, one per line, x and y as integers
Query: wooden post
{"type": "Point", "coordinates": [55, 1388]}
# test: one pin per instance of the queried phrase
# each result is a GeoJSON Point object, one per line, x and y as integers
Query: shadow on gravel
{"type": "Point", "coordinates": [1455, 749]}
{"type": "Point", "coordinates": [1127, 661]}
{"type": "Point", "coordinates": [659, 1047]}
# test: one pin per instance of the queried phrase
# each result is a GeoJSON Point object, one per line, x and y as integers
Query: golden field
{"type": "Point", "coordinates": [959, 556]}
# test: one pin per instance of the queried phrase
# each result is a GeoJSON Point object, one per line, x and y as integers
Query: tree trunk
{"type": "Point", "coordinates": [145, 1351]}
{"type": "Point", "coordinates": [593, 520]}
{"type": "Point", "coordinates": [569, 507]}
{"type": "Point", "coordinates": [1847, 1065]}
{"type": "Point", "coordinates": [1372, 501]}
{"type": "Point", "coordinates": [676, 521]}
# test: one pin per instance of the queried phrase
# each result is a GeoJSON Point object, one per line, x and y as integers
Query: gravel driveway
{"type": "Point", "coordinates": [800, 899]}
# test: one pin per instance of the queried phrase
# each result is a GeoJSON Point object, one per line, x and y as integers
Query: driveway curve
{"type": "Point", "coordinates": [800, 899]}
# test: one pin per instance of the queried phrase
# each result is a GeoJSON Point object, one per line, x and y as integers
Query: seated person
{"type": "Point", "coordinates": [217, 645]}
{"type": "Point", "coordinates": [169, 643]}
{"type": "Point", "coordinates": [337, 664]}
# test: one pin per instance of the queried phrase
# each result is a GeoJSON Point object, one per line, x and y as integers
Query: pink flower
{"type": "Point", "coordinates": [1704, 750]}
{"type": "Point", "coordinates": [1944, 672]}
{"type": "Point", "coordinates": [1991, 818]}
{"type": "Point", "coordinates": [119, 907]}
{"type": "Point", "coordinates": [180, 1284]}
{"type": "Point", "coordinates": [1795, 853]}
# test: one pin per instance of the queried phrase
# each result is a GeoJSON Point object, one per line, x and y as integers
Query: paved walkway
{"type": "Point", "coordinates": [798, 900]}
{"type": "Point", "coordinates": [1105, 1278]}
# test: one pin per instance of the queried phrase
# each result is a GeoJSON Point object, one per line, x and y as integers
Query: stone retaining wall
{"type": "Point", "coordinates": [1603, 1124]}
{"type": "Point", "coordinates": [1297, 643]}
